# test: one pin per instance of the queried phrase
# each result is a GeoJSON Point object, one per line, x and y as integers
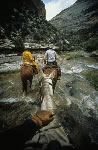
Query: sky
{"type": "Point", "coordinates": [53, 7]}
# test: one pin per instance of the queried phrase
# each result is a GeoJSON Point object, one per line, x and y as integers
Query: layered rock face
{"type": "Point", "coordinates": [22, 22]}
{"type": "Point", "coordinates": [79, 22]}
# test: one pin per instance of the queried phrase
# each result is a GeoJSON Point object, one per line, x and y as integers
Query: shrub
{"type": "Point", "coordinates": [19, 45]}
{"type": "Point", "coordinates": [92, 77]}
{"type": "Point", "coordinates": [92, 44]}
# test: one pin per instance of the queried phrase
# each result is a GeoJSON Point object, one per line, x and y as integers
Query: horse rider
{"type": "Point", "coordinates": [29, 59]}
{"type": "Point", "coordinates": [15, 137]}
{"type": "Point", "coordinates": [50, 58]}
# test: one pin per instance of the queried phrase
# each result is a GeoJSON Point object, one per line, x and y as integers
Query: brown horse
{"type": "Point", "coordinates": [48, 70]}
{"type": "Point", "coordinates": [26, 75]}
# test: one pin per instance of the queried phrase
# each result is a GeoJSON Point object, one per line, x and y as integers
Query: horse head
{"type": "Point", "coordinates": [47, 90]}
{"type": "Point", "coordinates": [50, 74]}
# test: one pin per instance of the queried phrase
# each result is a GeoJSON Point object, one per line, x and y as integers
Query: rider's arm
{"type": "Point", "coordinates": [31, 57]}
{"type": "Point", "coordinates": [15, 137]}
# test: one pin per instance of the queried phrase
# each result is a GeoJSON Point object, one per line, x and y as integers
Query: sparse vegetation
{"type": "Point", "coordinates": [92, 77]}
{"type": "Point", "coordinates": [19, 43]}
{"type": "Point", "coordinates": [92, 44]}
{"type": "Point", "coordinates": [70, 56]}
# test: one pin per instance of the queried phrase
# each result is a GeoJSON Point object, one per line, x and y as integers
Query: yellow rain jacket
{"type": "Point", "coordinates": [28, 58]}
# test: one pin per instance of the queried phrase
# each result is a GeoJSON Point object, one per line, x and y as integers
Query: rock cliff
{"type": "Point", "coordinates": [78, 23]}
{"type": "Point", "coordinates": [22, 22]}
{"type": "Point", "coordinates": [7, 8]}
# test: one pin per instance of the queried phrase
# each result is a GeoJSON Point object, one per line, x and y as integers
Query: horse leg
{"type": "Point", "coordinates": [54, 85]}
{"type": "Point", "coordinates": [23, 89]}
{"type": "Point", "coordinates": [30, 82]}
{"type": "Point", "coordinates": [24, 83]}
{"type": "Point", "coordinates": [53, 88]}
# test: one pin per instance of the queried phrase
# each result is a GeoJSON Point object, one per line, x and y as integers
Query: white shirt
{"type": "Point", "coordinates": [50, 55]}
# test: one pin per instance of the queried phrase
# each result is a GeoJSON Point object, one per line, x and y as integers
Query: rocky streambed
{"type": "Point", "coordinates": [76, 97]}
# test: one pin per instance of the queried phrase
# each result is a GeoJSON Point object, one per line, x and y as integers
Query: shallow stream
{"type": "Point", "coordinates": [76, 99]}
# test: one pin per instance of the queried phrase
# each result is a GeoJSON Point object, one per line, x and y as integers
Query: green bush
{"type": "Point", "coordinates": [92, 44]}
{"type": "Point", "coordinates": [92, 77]}
{"type": "Point", "coordinates": [19, 45]}
{"type": "Point", "coordinates": [69, 56]}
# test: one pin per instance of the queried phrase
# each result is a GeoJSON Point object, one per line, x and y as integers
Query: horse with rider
{"type": "Point", "coordinates": [50, 59]}
{"type": "Point", "coordinates": [28, 69]}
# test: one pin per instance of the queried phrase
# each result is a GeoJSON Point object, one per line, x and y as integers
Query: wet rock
{"type": "Point", "coordinates": [15, 113]}
{"type": "Point", "coordinates": [26, 27]}
{"type": "Point", "coordinates": [69, 122]}
{"type": "Point", "coordinates": [79, 128]}
{"type": "Point", "coordinates": [94, 54]}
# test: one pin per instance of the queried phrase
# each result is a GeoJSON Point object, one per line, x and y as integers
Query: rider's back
{"type": "Point", "coordinates": [51, 54]}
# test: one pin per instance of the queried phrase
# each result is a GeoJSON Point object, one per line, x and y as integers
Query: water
{"type": "Point", "coordinates": [76, 86]}
{"type": "Point", "coordinates": [73, 82]}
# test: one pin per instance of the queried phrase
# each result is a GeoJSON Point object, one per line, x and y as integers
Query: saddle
{"type": "Point", "coordinates": [49, 66]}
{"type": "Point", "coordinates": [56, 67]}
{"type": "Point", "coordinates": [29, 64]}
{"type": "Point", "coordinates": [26, 64]}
